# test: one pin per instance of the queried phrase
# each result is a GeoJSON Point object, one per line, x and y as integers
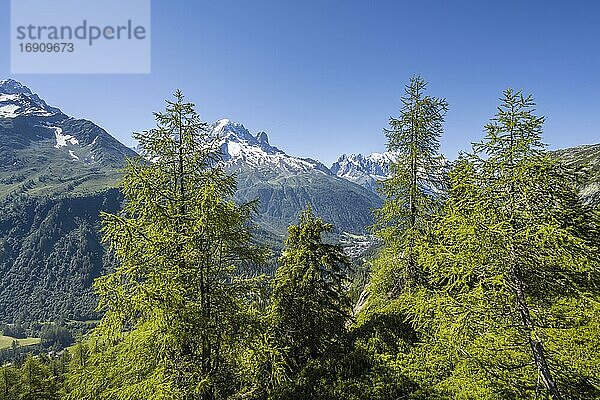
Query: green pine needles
{"type": "Point", "coordinates": [176, 307]}
{"type": "Point", "coordinates": [310, 307]}
{"type": "Point", "coordinates": [413, 192]}
{"type": "Point", "coordinates": [508, 267]}
{"type": "Point", "coordinates": [509, 262]}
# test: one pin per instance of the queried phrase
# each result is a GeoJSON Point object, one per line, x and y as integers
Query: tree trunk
{"type": "Point", "coordinates": [537, 348]}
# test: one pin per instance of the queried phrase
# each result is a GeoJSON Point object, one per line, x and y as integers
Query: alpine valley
{"type": "Point", "coordinates": [58, 172]}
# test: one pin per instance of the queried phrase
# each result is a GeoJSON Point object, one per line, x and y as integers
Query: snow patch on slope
{"type": "Point", "coordinates": [63, 140]}
{"type": "Point", "coordinates": [9, 97]}
{"type": "Point", "coordinates": [9, 111]}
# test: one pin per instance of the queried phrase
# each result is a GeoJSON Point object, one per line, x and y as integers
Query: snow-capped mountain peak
{"type": "Point", "coordinates": [27, 118]}
{"type": "Point", "coordinates": [233, 132]}
{"type": "Point", "coordinates": [226, 128]}
{"type": "Point", "coordinates": [10, 86]}
{"type": "Point", "coordinates": [364, 170]}
{"type": "Point", "coordinates": [17, 99]}
{"type": "Point", "coordinates": [241, 149]}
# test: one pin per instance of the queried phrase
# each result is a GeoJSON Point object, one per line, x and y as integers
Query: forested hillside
{"type": "Point", "coordinates": [50, 254]}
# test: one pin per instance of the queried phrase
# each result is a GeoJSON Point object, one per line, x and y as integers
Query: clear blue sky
{"type": "Point", "coordinates": [323, 76]}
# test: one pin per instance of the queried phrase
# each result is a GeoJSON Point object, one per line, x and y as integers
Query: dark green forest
{"type": "Point", "coordinates": [486, 283]}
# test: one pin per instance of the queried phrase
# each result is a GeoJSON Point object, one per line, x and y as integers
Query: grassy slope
{"type": "Point", "coordinates": [49, 172]}
{"type": "Point", "coordinates": [6, 342]}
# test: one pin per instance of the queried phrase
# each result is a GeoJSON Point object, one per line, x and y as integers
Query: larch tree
{"type": "Point", "coordinates": [36, 380]}
{"type": "Point", "coordinates": [412, 194]}
{"type": "Point", "coordinates": [513, 274]}
{"type": "Point", "coordinates": [177, 309]}
{"type": "Point", "coordinates": [10, 385]}
{"type": "Point", "coordinates": [309, 308]}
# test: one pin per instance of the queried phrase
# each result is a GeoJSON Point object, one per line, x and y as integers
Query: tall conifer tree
{"type": "Point", "coordinates": [413, 193]}
{"type": "Point", "coordinates": [176, 308]}
{"type": "Point", "coordinates": [513, 271]}
{"type": "Point", "coordinates": [309, 304]}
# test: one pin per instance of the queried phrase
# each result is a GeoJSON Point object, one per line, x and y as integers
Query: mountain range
{"type": "Point", "coordinates": [285, 184]}
{"type": "Point", "coordinates": [58, 172]}
{"type": "Point", "coordinates": [364, 170]}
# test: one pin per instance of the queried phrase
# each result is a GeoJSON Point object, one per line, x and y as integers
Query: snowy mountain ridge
{"type": "Point", "coordinates": [364, 170]}
{"type": "Point", "coordinates": [16, 100]}
{"type": "Point", "coordinates": [31, 120]}
{"type": "Point", "coordinates": [242, 149]}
